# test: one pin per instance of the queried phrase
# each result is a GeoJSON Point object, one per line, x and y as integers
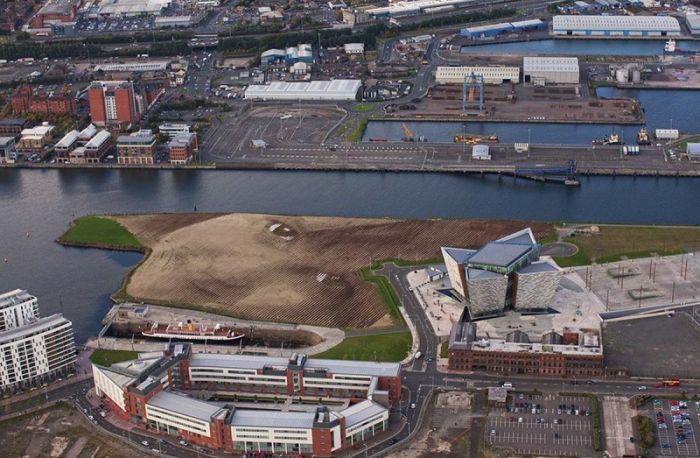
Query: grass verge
{"type": "Point", "coordinates": [391, 347]}
{"type": "Point", "coordinates": [400, 262]}
{"type": "Point", "coordinates": [109, 357]}
{"type": "Point", "coordinates": [646, 435]}
{"type": "Point", "coordinates": [100, 232]}
{"type": "Point", "coordinates": [444, 350]}
{"type": "Point", "coordinates": [359, 130]}
{"type": "Point", "coordinates": [387, 293]}
{"type": "Point", "coordinates": [362, 108]}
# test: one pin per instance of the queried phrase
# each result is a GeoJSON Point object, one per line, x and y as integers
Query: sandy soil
{"type": "Point", "coordinates": [234, 265]}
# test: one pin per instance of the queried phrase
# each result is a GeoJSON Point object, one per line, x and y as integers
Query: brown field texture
{"type": "Point", "coordinates": [232, 264]}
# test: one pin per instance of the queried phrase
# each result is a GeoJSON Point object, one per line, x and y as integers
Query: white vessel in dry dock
{"type": "Point", "coordinates": [191, 331]}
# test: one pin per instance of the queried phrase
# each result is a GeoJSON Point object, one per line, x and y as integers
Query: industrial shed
{"type": "Point", "coordinates": [693, 21]}
{"type": "Point", "coordinates": [493, 30]}
{"type": "Point", "coordinates": [550, 70]}
{"type": "Point", "coordinates": [315, 90]}
{"type": "Point", "coordinates": [616, 26]}
{"type": "Point", "coordinates": [497, 74]}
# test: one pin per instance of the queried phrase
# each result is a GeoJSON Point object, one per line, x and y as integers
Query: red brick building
{"type": "Point", "coordinates": [27, 99]}
{"type": "Point", "coordinates": [182, 147]}
{"type": "Point", "coordinates": [137, 149]}
{"type": "Point", "coordinates": [113, 103]}
{"type": "Point", "coordinates": [55, 11]}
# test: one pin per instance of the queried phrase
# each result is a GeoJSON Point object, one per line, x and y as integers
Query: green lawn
{"type": "Point", "coordinates": [616, 242]}
{"type": "Point", "coordinates": [101, 232]}
{"type": "Point", "coordinates": [356, 134]}
{"type": "Point", "coordinates": [362, 108]}
{"type": "Point", "coordinates": [382, 347]}
{"type": "Point", "coordinates": [109, 357]}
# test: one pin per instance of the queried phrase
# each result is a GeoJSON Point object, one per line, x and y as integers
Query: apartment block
{"type": "Point", "coordinates": [114, 103]}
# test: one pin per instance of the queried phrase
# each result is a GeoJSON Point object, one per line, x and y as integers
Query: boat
{"type": "Point", "coordinates": [613, 139]}
{"type": "Point", "coordinates": [378, 139]}
{"type": "Point", "coordinates": [670, 46]}
{"type": "Point", "coordinates": [191, 331]}
{"type": "Point", "coordinates": [473, 139]}
{"type": "Point", "coordinates": [643, 137]}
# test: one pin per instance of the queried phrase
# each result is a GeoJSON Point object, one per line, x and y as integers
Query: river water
{"type": "Point", "coordinates": [37, 206]}
{"type": "Point", "coordinates": [578, 47]}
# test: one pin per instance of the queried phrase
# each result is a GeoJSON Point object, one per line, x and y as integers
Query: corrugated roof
{"type": "Point", "coordinates": [99, 138]}
{"type": "Point", "coordinates": [184, 405]}
{"type": "Point", "coordinates": [272, 419]}
{"type": "Point", "coordinates": [594, 22]}
{"type": "Point", "coordinates": [68, 139]}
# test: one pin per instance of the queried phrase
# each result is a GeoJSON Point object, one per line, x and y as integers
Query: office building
{"type": "Point", "coordinates": [167, 393]}
{"type": "Point", "coordinates": [13, 126]}
{"type": "Point", "coordinates": [491, 74]}
{"type": "Point", "coordinates": [616, 26]}
{"type": "Point", "coordinates": [503, 274]}
{"type": "Point", "coordinates": [98, 145]}
{"type": "Point", "coordinates": [8, 151]}
{"type": "Point", "coordinates": [137, 148]}
{"type": "Point", "coordinates": [172, 129]}
{"type": "Point", "coordinates": [65, 145]}
{"type": "Point", "coordinates": [36, 140]}
{"type": "Point", "coordinates": [113, 103]}
{"type": "Point", "coordinates": [27, 99]}
{"type": "Point", "coordinates": [182, 147]}
{"type": "Point", "coordinates": [550, 70]}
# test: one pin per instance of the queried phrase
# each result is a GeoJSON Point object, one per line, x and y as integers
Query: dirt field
{"type": "Point", "coordinates": [236, 265]}
{"type": "Point", "coordinates": [58, 432]}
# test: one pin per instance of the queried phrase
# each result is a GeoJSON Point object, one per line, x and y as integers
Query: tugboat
{"type": "Point", "coordinates": [670, 46]}
{"type": "Point", "coordinates": [613, 139]}
{"type": "Point", "coordinates": [643, 137]}
{"type": "Point", "coordinates": [472, 139]}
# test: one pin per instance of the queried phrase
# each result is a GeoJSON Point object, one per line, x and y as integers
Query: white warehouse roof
{"type": "Point", "coordinates": [550, 64]}
{"type": "Point", "coordinates": [315, 90]}
{"type": "Point", "coordinates": [693, 21]}
{"type": "Point", "coordinates": [649, 23]}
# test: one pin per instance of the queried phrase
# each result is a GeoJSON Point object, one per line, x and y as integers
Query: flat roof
{"type": "Point", "coordinates": [341, 89]}
{"type": "Point", "coordinates": [538, 267]}
{"type": "Point", "coordinates": [368, 368]}
{"type": "Point", "coordinates": [479, 274]}
{"type": "Point", "coordinates": [592, 22]}
{"type": "Point", "coordinates": [184, 405]}
{"type": "Point", "coordinates": [693, 20]}
{"type": "Point", "coordinates": [119, 379]}
{"type": "Point", "coordinates": [272, 419]}
{"type": "Point", "coordinates": [360, 412]}
{"type": "Point", "coordinates": [235, 361]}
{"type": "Point", "coordinates": [16, 296]}
{"type": "Point", "coordinates": [550, 63]}
{"type": "Point", "coordinates": [136, 139]}
{"type": "Point", "coordinates": [499, 253]}
{"type": "Point", "coordinates": [99, 139]}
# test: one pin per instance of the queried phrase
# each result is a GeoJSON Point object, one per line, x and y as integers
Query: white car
{"type": "Point", "coordinates": [144, 443]}
{"type": "Point", "coordinates": [413, 406]}
{"type": "Point", "coordinates": [642, 387]}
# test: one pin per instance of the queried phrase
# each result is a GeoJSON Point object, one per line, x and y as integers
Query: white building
{"type": "Point", "coordinates": [315, 90]}
{"type": "Point", "coordinates": [134, 66]}
{"type": "Point", "coordinates": [693, 22]}
{"type": "Point", "coordinates": [616, 26]}
{"type": "Point", "coordinates": [491, 74]}
{"type": "Point", "coordinates": [172, 129]}
{"type": "Point", "coordinates": [37, 352]}
{"type": "Point", "coordinates": [173, 413]}
{"type": "Point", "coordinates": [354, 48]}
{"type": "Point", "coordinates": [550, 70]}
{"type": "Point", "coordinates": [173, 21]}
{"type": "Point", "coordinates": [17, 308]}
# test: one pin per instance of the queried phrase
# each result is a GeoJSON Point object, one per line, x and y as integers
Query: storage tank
{"type": "Point", "coordinates": [621, 75]}
{"type": "Point", "coordinates": [636, 76]}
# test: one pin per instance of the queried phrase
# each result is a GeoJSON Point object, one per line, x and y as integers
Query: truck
{"type": "Point", "coordinates": [669, 383]}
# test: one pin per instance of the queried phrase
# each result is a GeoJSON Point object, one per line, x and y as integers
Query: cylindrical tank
{"type": "Point", "coordinates": [621, 75]}
{"type": "Point", "coordinates": [636, 76]}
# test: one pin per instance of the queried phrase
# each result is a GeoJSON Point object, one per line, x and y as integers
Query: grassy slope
{"type": "Point", "coordinates": [387, 293]}
{"type": "Point", "coordinates": [100, 232]}
{"type": "Point", "coordinates": [382, 347]}
{"type": "Point", "coordinates": [109, 357]}
{"type": "Point", "coordinates": [615, 242]}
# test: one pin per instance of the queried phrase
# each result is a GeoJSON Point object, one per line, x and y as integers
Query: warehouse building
{"type": "Point", "coordinates": [550, 70]}
{"type": "Point", "coordinates": [616, 26]}
{"type": "Point", "coordinates": [315, 90]}
{"type": "Point", "coordinates": [129, 8]}
{"type": "Point", "coordinates": [693, 22]}
{"type": "Point", "coordinates": [493, 30]}
{"type": "Point", "coordinates": [415, 7]}
{"type": "Point", "coordinates": [272, 56]}
{"type": "Point", "coordinates": [693, 151]}
{"type": "Point", "coordinates": [173, 21]}
{"type": "Point", "coordinates": [491, 74]}
{"type": "Point", "coordinates": [142, 391]}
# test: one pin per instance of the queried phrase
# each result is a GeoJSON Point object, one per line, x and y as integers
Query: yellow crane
{"type": "Point", "coordinates": [407, 132]}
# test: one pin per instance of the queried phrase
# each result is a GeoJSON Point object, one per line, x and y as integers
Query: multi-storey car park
{"type": "Point", "coordinates": [160, 392]}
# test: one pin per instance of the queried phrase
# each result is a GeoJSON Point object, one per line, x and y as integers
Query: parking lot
{"type": "Point", "coordinates": [676, 424]}
{"type": "Point", "coordinates": [543, 425]}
